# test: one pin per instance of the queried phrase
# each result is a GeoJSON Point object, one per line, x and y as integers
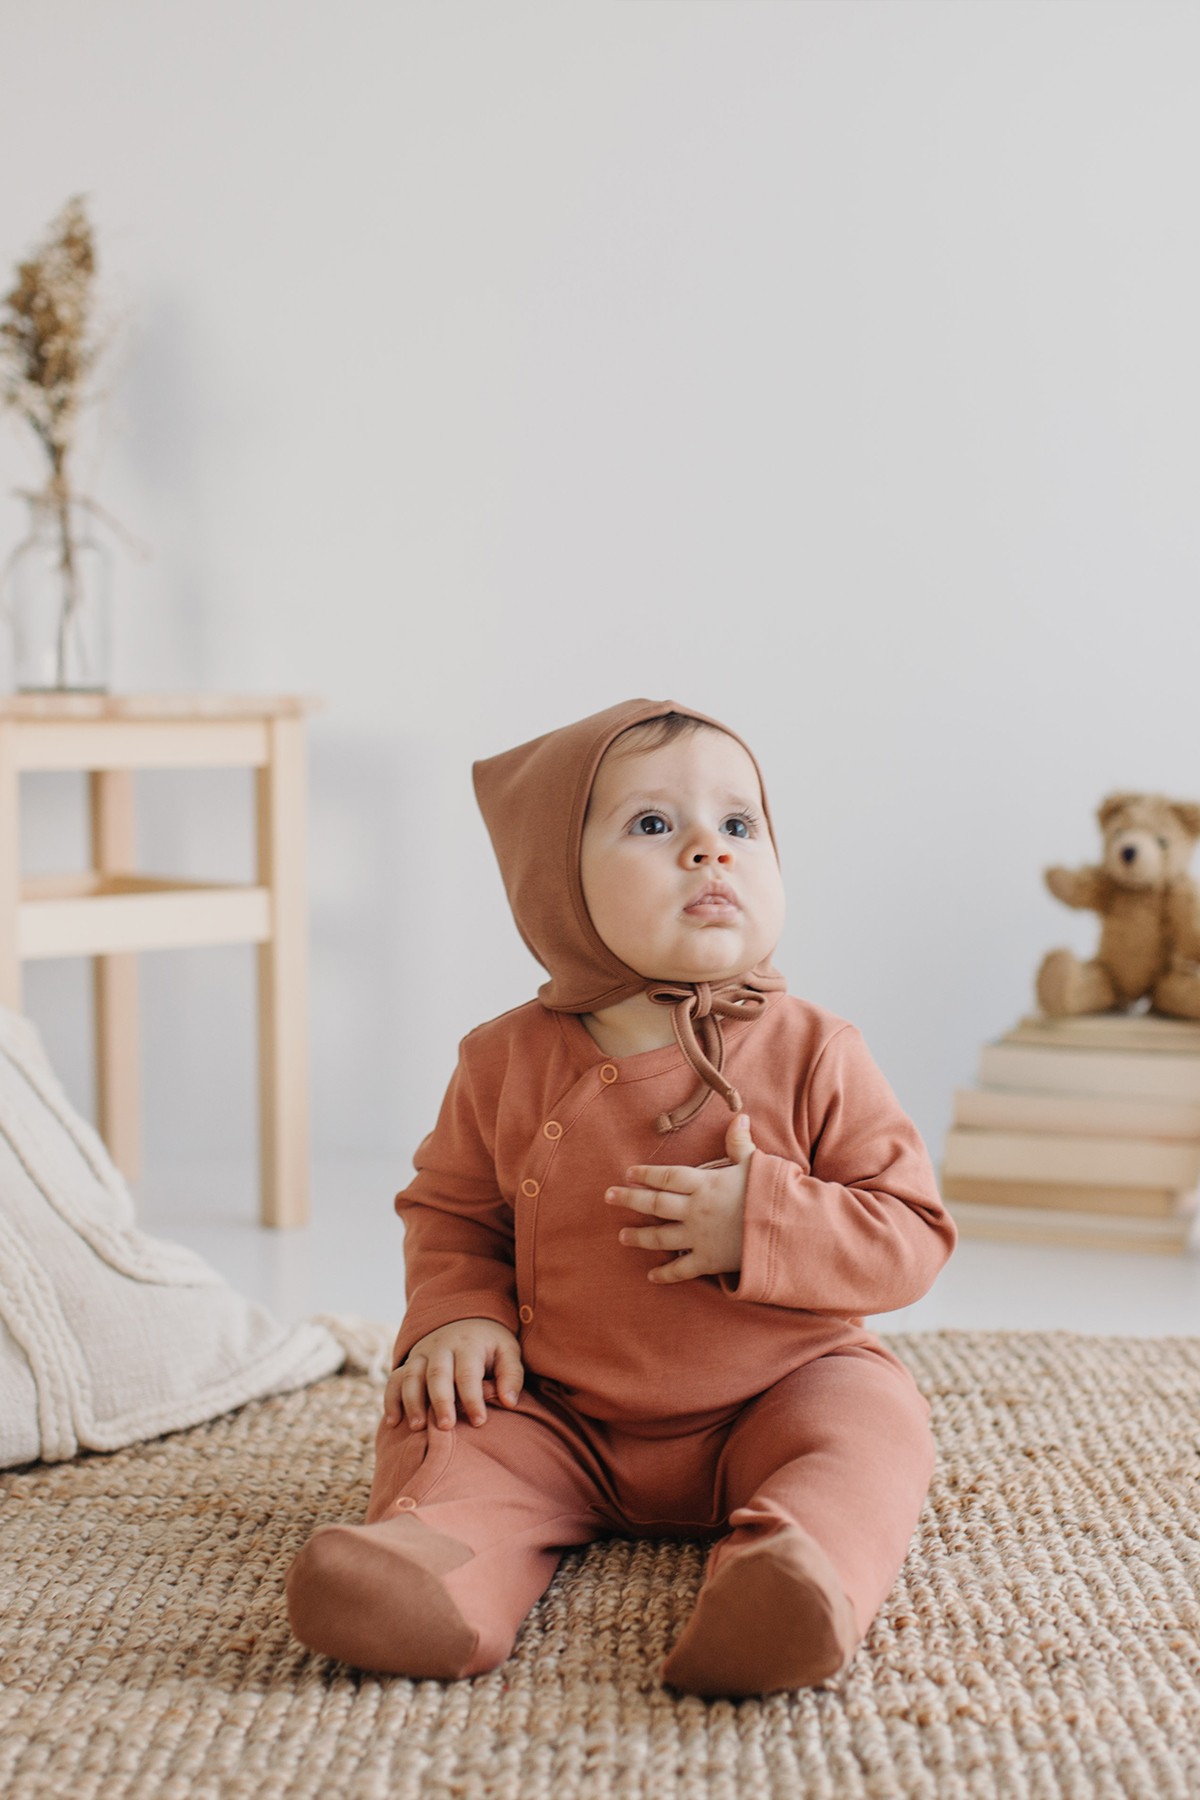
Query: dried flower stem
{"type": "Point", "coordinates": [47, 353]}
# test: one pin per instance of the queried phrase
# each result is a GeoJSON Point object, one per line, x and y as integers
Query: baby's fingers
{"type": "Point", "coordinates": [510, 1374]}
{"type": "Point", "coordinates": [392, 1397]}
{"type": "Point", "coordinates": [440, 1383]}
{"type": "Point", "coordinates": [683, 1268]}
{"type": "Point", "coordinates": [653, 1201]}
{"type": "Point", "coordinates": [411, 1378]}
{"type": "Point", "coordinates": [656, 1237]}
{"type": "Point", "coordinates": [468, 1375]}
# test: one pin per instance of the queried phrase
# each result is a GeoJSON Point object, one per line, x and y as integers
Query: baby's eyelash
{"type": "Point", "coordinates": [749, 818]}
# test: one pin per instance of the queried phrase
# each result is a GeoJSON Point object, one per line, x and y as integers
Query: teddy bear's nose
{"type": "Point", "coordinates": [1128, 853]}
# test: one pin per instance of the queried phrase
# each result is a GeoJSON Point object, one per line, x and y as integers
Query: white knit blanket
{"type": "Point", "coordinates": [108, 1336]}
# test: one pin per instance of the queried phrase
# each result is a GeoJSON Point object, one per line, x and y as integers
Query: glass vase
{"type": "Point", "coordinates": [60, 600]}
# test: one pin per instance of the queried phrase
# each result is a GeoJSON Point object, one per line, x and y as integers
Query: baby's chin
{"type": "Point", "coordinates": [695, 970]}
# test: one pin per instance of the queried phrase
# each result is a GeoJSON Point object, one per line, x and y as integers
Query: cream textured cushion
{"type": "Point", "coordinates": [108, 1336]}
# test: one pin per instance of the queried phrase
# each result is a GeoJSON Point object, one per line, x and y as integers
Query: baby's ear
{"type": "Point", "coordinates": [1188, 814]}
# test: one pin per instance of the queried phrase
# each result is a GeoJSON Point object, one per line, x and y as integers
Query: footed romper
{"type": "Point", "coordinates": [830, 1466]}
{"type": "Point", "coordinates": [753, 1408]}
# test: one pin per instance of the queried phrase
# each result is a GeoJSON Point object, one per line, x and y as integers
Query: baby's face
{"type": "Point", "coordinates": [679, 871]}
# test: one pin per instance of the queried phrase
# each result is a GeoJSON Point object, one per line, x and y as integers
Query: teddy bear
{"type": "Point", "coordinates": [1150, 907]}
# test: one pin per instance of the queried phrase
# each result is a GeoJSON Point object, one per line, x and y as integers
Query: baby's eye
{"type": "Point", "coordinates": [738, 824]}
{"type": "Point", "coordinates": [650, 824]}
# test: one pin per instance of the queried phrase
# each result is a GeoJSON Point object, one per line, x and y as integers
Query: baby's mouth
{"type": "Point", "coordinates": [714, 902]}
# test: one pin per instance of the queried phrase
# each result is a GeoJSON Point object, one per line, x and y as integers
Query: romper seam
{"type": "Point", "coordinates": [773, 1228]}
{"type": "Point", "coordinates": [567, 1119]}
{"type": "Point", "coordinates": [423, 1494]}
{"type": "Point", "coordinates": [810, 1077]}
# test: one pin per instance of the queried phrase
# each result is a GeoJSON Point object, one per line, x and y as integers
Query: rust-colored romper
{"type": "Point", "coordinates": [721, 1405]}
{"type": "Point", "coordinates": [753, 1409]}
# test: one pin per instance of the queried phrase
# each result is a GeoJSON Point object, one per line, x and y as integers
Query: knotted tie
{"type": "Point", "coordinates": [705, 1004]}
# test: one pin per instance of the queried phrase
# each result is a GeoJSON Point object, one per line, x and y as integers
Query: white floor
{"type": "Point", "coordinates": [350, 1260]}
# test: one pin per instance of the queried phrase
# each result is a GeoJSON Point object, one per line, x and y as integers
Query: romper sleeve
{"type": "Point", "coordinates": [458, 1227]}
{"type": "Point", "coordinates": [863, 1229]}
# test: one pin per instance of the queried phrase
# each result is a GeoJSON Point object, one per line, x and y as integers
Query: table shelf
{"type": "Point", "coordinates": [110, 913]}
{"type": "Point", "coordinates": [104, 915]}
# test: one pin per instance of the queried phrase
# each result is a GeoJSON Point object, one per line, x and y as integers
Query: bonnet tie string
{"type": "Point", "coordinates": [705, 1004]}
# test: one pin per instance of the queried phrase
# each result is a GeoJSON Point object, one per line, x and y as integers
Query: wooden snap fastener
{"type": "Point", "coordinates": [608, 1073]}
{"type": "Point", "coordinates": [552, 1128]}
{"type": "Point", "coordinates": [531, 1189]}
{"type": "Point", "coordinates": [526, 1315]}
{"type": "Point", "coordinates": [406, 1503]}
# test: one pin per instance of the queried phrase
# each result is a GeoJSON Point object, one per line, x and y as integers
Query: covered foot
{"type": "Point", "coordinates": [774, 1615]}
{"type": "Point", "coordinates": [372, 1596]}
{"type": "Point", "coordinates": [1066, 986]}
{"type": "Point", "coordinates": [1178, 991]}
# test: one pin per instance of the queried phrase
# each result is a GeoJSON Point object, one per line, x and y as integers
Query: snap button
{"type": "Point", "coordinates": [552, 1128]}
{"type": "Point", "coordinates": [608, 1073]}
{"type": "Point", "coordinates": [530, 1188]}
{"type": "Point", "coordinates": [526, 1315]}
{"type": "Point", "coordinates": [406, 1503]}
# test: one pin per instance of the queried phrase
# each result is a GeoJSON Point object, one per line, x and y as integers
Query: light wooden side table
{"type": "Point", "coordinates": [110, 912]}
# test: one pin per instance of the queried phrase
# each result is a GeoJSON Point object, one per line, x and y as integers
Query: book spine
{"type": "Point", "coordinates": [1110, 1031]}
{"type": "Point", "coordinates": [1000, 1109]}
{"type": "Point", "coordinates": [1073, 1230]}
{"type": "Point", "coordinates": [1029, 1067]}
{"type": "Point", "coordinates": [1030, 1156]}
{"type": "Point", "coordinates": [1130, 1202]}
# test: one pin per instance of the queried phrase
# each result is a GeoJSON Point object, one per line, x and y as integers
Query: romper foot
{"type": "Point", "coordinates": [773, 1616]}
{"type": "Point", "coordinates": [370, 1595]}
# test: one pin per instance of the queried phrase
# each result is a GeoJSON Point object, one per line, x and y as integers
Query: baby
{"type": "Point", "coordinates": [643, 1235]}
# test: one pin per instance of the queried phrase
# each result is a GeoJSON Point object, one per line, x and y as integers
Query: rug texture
{"type": "Point", "coordinates": [1042, 1639]}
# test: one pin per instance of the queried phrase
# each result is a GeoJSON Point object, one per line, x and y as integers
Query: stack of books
{"type": "Point", "coordinates": [1081, 1131]}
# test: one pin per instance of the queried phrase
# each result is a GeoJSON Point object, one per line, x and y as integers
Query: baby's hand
{"type": "Point", "coordinates": [455, 1357]}
{"type": "Point", "coordinates": [701, 1210]}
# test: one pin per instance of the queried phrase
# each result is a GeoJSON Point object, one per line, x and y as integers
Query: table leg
{"type": "Point", "coordinates": [283, 980]}
{"type": "Point", "coordinates": [118, 1059]}
{"type": "Point", "coordinates": [10, 869]}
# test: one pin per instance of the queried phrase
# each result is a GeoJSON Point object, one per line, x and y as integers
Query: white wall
{"type": "Point", "coordinates": [830, 367]}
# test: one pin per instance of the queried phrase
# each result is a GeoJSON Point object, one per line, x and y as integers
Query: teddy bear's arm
{"type": "Point", "coordinates": [1086, 888]}
{"type": "Point", "coordinates": [1183, 916]}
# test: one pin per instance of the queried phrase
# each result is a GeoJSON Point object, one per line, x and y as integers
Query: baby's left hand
{"type": "Point", "coordinates": [700, 1210]}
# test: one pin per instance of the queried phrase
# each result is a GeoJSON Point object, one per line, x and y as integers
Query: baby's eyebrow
{"type": "Point", "coordinates": [627, 803]}
{"type": "Point", "coordinates": [646, 797]}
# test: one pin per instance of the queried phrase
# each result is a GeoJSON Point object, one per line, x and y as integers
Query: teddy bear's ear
{"type": "Point", "coordinates": [1188, 814]}
{"type": "Point", "coordinates": [1110, 805]}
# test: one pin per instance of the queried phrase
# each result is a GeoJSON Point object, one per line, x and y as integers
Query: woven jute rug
{"type": "Point", "coordinates": [1042, 1639]}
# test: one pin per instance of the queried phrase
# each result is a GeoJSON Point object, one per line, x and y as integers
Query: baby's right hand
{"type": "Point", "coordinates": [455, 1357]}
